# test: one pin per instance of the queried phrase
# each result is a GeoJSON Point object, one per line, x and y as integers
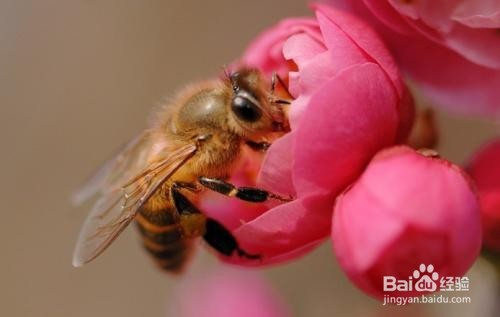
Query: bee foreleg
{"type": "Point", "coordinates": [250, 194]}
{"type": "Point", "coordinates": [258, 146]}
{"type": "Point", "coordinates": [192, 187]}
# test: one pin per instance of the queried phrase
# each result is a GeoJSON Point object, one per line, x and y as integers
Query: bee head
{"type": "Point", "coordinates": [252, 110]}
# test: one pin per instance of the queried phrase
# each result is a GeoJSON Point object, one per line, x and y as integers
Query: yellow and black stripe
{"type": "Point", "coordinates": [162, 238]}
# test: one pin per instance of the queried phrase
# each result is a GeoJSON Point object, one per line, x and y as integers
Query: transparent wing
{"type": "Point", "coordinates": [128, 161]}
{"type": "Point", "coordinates": [118, 205]}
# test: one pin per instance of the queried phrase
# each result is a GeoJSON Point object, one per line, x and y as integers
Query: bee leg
{"type": "Point", "coordinates": [275, 79]}
{"type": "Point", "coordinates": [251, 194]}
{"type": "Point", "coordinates": [221, 239]}
{"type": "Point", "coordinates": [258, 146]}
{"type": "Point", "coordinates": [195, 224]}
{"type": "Point", "coordinates": [192, 187]}
{"type": "Point", "coordinates": [192, 220]}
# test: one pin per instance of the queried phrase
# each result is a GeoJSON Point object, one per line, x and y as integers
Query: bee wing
{"type": "Point", "coordinates": [128, 161]}
{"type": "Point", "coordinates": [118, 205]}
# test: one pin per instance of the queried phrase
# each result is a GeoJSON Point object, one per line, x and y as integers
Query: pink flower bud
{"type": "Point", "coordinates": [484, 169]}
{"type": "Point", "coordinates": [349, 103]}
{"type": "Point", "coordinates": [406, 210]}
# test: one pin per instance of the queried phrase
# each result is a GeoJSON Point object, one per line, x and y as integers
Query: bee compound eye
{"type": "Point", "coordinates": [245, 109]}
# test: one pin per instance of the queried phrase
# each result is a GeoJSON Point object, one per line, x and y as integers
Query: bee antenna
{"type": "Point", "coordinates": [227, 73]}
{"type": "Point", "coordinates": [273, 83]}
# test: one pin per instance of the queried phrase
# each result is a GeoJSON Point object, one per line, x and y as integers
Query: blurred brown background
{"type": "Point", "coordinates": [77, 79]}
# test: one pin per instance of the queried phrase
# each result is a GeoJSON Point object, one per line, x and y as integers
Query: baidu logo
{"type": "Point", "coordinates": [425, 279]}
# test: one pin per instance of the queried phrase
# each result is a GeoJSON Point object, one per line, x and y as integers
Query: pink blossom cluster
{"type": "Point", "coordinates": [386, 207]}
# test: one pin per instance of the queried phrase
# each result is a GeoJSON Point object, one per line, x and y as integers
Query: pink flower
{"type": "Point", "coordinates": [407, 209]}
{"type": "Point", "coordinates": [225, 292]}
{"type": "Point", "coordinates": [349, 103]}
{"type": "Point", "coordinates": [451, 48]}
{"type": "Point", "coordinates": [484, 169]}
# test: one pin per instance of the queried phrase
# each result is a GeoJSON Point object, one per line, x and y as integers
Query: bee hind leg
{"type": "Point", "coordinates": [251, 194]}
{"type": "Point", "coordinates": [221, 239]}
{"type": "Point", "coordinates": [195, 224]}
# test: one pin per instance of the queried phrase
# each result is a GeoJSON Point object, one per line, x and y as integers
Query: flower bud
{"type": "Point", "coordinates": [407, 209]}
{"type": "Point", "coordinates": [485, 171]}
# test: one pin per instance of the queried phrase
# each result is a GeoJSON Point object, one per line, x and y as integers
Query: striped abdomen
{"type": "Point", "coordinates": [162, 237]}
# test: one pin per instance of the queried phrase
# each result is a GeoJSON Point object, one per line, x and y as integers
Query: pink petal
{"type": "Point", "coordinates": [484, 166]}
{"type": "Point", "coordinates": [364, 240]}
{"type": "Point", "coordinates": [286, 231]}
{"type": "Point", "coordinates": [478, 14]}
{"type": "Point", "coordinates": [294, 83]}
{"type": "Point", "coordinates": [485, 171]}
{"type": "Point", "coordinates": [399, 22]}
{"type": "Point", "coordinates": [332, 145]}
{"type": "Point", "coordinates": [384, 12]}
{"type": "Point", "coordinates": [433, 13]}
{"type": "Point", "coordinates": [457, 85]}
{"type": "Point", "coordinates": [380, 180]}
{"type": "Point", "coordinates": [331, 21]}
{"type": "Point", "coordinates": [266, 51]}
{"type": "Point", "coordinates": [405, 255]}
{"type": "Point", "coordinates": [444, 211]}
{"type": "Point", "coordinates": [490, 212]}
{"type": "Point", "coordinates": [479, 45]}
{"type": "Point", "coordinates": [229, 211]}
{"type": "Point", "coordinates": [276, 171]}
{"type": "Point", "coordinates": [301, 47]}
{"type": "Point", "coordinates": [312, 77]}
{"type": "Point", "coordinates": [444, 47]}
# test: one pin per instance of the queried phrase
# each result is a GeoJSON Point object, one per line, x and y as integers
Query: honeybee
{"type": "Point", "coordinates": [191, 146]}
